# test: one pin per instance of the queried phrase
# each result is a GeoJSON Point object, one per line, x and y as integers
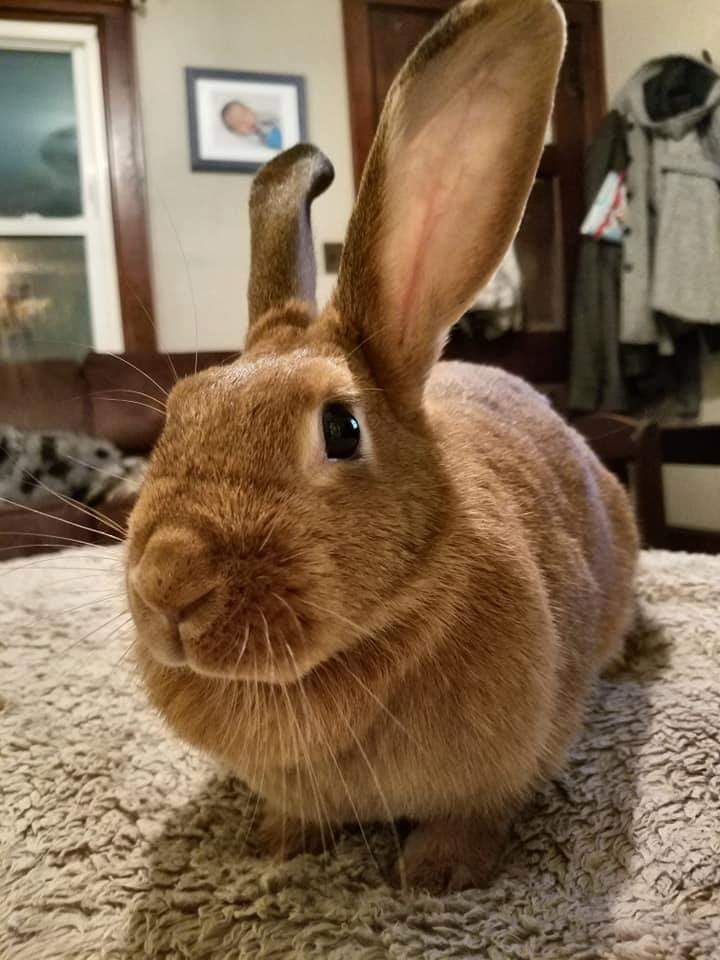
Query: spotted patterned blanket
{"type": "Point", "coordinates": [34, 464]}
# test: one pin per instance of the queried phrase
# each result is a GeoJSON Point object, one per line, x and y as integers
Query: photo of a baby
{"type": "Point", "coordinates": [239, 121]}
{"type": "Point", "coordinates": [243, 121]}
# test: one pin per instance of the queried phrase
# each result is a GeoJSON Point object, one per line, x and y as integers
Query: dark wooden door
{"type": "Point", "coordinates": [379, 35]}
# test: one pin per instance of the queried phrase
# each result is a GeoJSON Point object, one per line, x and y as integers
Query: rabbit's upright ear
{"type": "Point", "coordinates": [282, 264]}
{"type": "Point", "coordinates": [446, 182]}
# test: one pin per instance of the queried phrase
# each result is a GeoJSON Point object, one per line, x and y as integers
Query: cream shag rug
{"type": "Point", "coordinates": [118, 842]}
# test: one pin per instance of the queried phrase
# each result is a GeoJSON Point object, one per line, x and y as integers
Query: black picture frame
{"type": "Point", "coordinates": [199, 163]}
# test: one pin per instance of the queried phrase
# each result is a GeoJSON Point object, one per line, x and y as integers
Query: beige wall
{"type": "Point", "coordinates": [636, 31]}
{"type": "Point", "coordinates": [198, 221]}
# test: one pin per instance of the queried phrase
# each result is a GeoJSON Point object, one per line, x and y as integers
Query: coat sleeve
{"type": "Point", "coordinates": [595, 379]}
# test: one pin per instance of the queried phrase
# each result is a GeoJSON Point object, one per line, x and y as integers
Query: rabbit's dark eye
{"type": "Point", "coordinates": [342, 432]}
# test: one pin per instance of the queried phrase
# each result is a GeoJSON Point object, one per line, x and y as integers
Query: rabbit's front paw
{"type": "Point", "coordinates": [448, 855]}
{"type": "Point", "coordinates": [285, 837]}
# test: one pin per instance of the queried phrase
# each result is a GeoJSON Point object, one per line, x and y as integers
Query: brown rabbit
{"type": "Point", "coordinates": [379, 586]}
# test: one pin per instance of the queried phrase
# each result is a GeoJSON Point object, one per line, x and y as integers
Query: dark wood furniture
{"type": "Point", "coordinates": [697, 445]}
{"type": "Point", "coordinates": [633, 452]}
{"type": "Point", "coordinates": [114, 22]}
{"type": "Point", "coordinates": [102, 396]}
{"type": "Point", "coordinates": [379, 35]}
{"type": "Point", "coordinates": [636, 453]}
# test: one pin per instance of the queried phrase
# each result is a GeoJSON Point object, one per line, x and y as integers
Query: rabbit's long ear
{"type": "Point", "coordinates": [446, 182]}
{"type": "Point", "coordinates": [282, 265]}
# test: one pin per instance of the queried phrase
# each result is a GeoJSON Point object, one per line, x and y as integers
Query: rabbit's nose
{"type": "Point", "coordinates": [172, 577]}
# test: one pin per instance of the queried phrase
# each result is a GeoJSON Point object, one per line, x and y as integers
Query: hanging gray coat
{"type": "Point", "coordinates": [665, 131]}
{"type": "Point", "coordinates": [671, 260]}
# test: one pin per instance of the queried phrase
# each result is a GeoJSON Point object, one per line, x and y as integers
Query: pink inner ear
{"type": "Point", "coordinates": [436, 193]}
{"type": "Point", "coordinates": [426, 222]}
{"type": "Point", "coordinates": [450, 172]}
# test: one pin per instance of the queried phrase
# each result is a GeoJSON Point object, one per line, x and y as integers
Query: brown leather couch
{"type": "Point", "coordinates": [88, 397]}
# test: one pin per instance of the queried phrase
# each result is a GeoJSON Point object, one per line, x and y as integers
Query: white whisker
{"type": "Point", "coordinates": [123, 613]}
{"type": "Point", "coordinates": [103, 472]}
{"type": "Point", "coordinates": [89, 511]}
{"type": "Point", "coordinates": [137, 403]}
{"type": "Point", "coordinates": [115, 356]}
{"type": "Point", "coordinates": [137, 393]}
{"type": "Point", "coordinates": [50, 536]}
{"type": "Point", "coordinates": [370, 693]}
{"type": "Point", "coordinates": [188, 274]}
{"type": "Point", "coordinates": [321, 814]}
{"type": "Point", "coordinates": [51, 558]}
{"type": "Point", "coordinates": [149, 316]}
{"type": "Point", "coordinates": [71, 523]}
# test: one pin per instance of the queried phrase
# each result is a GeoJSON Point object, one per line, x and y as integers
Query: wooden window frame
{"type": "Point", "coordinates": [114, 22]}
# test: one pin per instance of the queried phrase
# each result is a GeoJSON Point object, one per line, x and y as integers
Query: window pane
{"type": "Point", "coordinates": [44, 306]}
{"type": "Point", "coordinates": [39, 167]}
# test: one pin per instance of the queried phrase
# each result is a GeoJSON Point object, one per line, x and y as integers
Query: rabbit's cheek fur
{"type": "Point", "coordinates": [252, 601]}
{"type": "Point", "coordinates": [248, 550]}
{"type": "Point", "coordinates": [247, 616]}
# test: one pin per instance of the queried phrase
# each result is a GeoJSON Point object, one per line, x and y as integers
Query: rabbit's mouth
{"type": "Point", "coordinates": [261, 603]}
{"type": "Point", "coordinates": [266, 633]}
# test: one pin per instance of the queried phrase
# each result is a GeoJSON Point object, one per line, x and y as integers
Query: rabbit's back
{"type": "Point", "coordinates": [502, 438]}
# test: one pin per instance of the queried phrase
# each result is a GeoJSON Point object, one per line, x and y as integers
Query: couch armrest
{"type": "Point", "coordinates": [56, 527]}
{"type": "Point", "coordinates": [44, 395]}
{"type": "Point", "coordinates": [115, 386]}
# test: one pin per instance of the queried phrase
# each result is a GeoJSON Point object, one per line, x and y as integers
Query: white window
{"type": "Point", "coordinates": [58, 277]}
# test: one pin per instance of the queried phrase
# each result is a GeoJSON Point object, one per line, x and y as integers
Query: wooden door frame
{"type": "Point", "coordinates": [114, 22]}
{"type": "Point", "coordinates": [571, 151]}
{"type": "Point", "coordinates": [358, 57]}
{"type": "Point", "coordinates": [541, 356]}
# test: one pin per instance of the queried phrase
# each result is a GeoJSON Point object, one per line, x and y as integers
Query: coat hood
{"type": "Point", "coordinates": [671, 95]}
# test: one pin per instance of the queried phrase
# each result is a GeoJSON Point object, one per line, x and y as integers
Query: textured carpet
{"type": "Point", "coordinates": [118, 842]}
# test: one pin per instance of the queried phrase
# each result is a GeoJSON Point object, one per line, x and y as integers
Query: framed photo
{"type": "Point", "coordinates": [239, 121]}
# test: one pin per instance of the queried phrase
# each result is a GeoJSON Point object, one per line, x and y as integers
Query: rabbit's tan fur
{"type": "Point", "coordinates": [411, 634]}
